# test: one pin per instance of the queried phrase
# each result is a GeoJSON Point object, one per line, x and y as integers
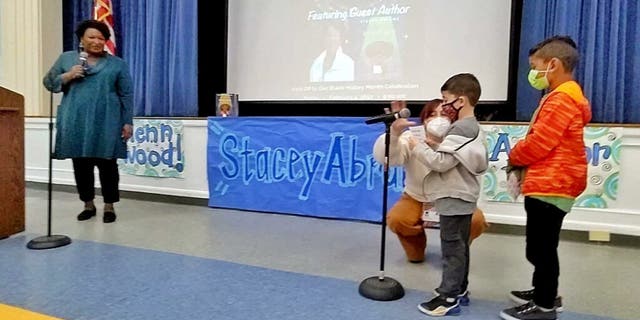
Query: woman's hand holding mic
{"type": "Point", "coordinates": [75, 72]}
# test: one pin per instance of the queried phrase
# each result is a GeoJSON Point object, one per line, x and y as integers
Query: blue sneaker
{"type": "Point", "coordinates": [440, 306]}
{"type": "Point", "coordinates": [463, 298]}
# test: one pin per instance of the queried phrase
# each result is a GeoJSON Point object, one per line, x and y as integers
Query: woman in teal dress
{"type": "Point", "coordinates": [95, 117]}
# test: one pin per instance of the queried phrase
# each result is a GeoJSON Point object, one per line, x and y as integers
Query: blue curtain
{"type": "Point", "coordinates": [607, 33]}
{"type": "Point", "coordinates": [74, 11]}
{"type": "Point", "coordinates": [159, 41]}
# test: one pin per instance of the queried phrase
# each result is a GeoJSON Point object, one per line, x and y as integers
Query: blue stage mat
{"type": "Point", "coordinates": [89, 280]}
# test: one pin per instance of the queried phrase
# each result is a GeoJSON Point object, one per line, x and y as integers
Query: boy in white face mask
{"type": "Point", "coordinates": [405, 217]}
{"type": "Point", "coordinates": [456, 164]}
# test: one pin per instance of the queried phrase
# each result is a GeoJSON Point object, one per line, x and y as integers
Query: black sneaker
{"type": "Point", "coordinates": [440, 306]}
{"type": "Point", "coordinates": [86, 214]}
{"type": "Point", "coordinates": [528, 311]}
{"type": "Point", "coordinates": [523, 297]}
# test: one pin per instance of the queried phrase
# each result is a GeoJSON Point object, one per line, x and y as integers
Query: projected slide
{"type": "Point", "coordinates": [365, 49]}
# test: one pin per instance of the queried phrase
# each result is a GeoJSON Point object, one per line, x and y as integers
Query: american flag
{"type": "Point", "coordinates": [102, 11]}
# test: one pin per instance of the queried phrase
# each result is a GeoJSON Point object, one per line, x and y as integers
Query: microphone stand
{"type": "Point", "coordinates": [49, 241]}
{"type": "Point", "coordinates": [379, 287]}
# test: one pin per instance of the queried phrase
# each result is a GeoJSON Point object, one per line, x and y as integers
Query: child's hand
{"type": "Point", "coordinates": [432, 142]}
{"type": "Point", "coordinates": [510, 168]}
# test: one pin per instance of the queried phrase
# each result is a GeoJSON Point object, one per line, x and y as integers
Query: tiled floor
{"type": "Point", "coordinates": [596, 279]}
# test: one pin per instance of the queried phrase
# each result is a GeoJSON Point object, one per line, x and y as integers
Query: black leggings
{"type": "Point", "coordinates": [83, 170]}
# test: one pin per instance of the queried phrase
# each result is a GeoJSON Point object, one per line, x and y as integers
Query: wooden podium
{"type": "Point", "coordinates": [12, 188]}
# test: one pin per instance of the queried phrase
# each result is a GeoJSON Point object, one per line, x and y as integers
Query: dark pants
{"type": "Point", "coordinates": [83, 169]}
{"type": "Point", "coordinates": [454, 240]}
{"type": "Point", "coordinates": [544, 222]}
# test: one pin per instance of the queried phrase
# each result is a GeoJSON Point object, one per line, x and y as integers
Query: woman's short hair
{"type": "Point", "coordinates": [94, 24]}
{"type": "Point", "coordinates": [429, 108]}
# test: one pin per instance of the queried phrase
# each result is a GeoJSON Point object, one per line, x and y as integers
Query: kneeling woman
{"type": "Point", "coordinates": [405, 217]}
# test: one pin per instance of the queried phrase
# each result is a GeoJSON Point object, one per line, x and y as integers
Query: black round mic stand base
{"type": "Point", "coordinates": [48, 242]}
{"type": "Point", "coordinates": [381, 289]}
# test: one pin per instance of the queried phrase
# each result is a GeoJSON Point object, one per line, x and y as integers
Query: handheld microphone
{"type": "Point", "coordinates": [83, 61]}
{"type": "Point", "coordinates": [390, 117]}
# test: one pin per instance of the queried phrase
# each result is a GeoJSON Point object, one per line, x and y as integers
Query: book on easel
{"type": "Point", "coordinates": [227, 105]}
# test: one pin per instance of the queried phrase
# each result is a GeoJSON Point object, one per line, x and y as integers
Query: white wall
{"type": "Point", "coordinates": [622, 218]}
{"type": "Point", "coordinates": [30, 41]}
{"type": "Point", "coordinates": [193, 185]}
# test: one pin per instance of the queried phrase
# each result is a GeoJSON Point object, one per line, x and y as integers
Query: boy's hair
{"type": "Point", "coordinates": [561, 47]}
{"type": "Point", "coordinates": [464, 84]}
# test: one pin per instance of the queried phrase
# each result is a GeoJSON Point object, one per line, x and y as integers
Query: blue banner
{"type": "Point", "coordinates": [315, 166]}
{"type": "Point", "coordinates": [324, 167]}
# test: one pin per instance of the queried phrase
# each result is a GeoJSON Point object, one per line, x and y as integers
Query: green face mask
{"type": "Point", "coordinates": [538, 83]}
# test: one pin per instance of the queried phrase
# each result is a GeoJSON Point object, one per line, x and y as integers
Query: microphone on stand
{"type": "Point", "coordinates": [390, 117]}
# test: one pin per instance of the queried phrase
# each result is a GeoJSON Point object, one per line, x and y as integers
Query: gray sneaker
{"type": "Point", "coordinates": [528, 311]}
{"type": "Point", "coordinates": [525, 296]}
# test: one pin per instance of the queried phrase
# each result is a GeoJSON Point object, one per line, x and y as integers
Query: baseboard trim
{"type": "Point", "coordinates": [143, 196]}
{"type": "Point", "coordinates": [617, 240]}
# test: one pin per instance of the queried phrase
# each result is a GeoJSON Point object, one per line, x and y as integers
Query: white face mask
{"type": "Point", "coordinates": [438, 126]}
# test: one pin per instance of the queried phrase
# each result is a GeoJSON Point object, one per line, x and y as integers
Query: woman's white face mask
{"type": "Point", "coordinates": [438, 126]}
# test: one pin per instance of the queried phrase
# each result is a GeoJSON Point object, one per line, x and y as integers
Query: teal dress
{"type": "Point", "coordinates": [93, 109]}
